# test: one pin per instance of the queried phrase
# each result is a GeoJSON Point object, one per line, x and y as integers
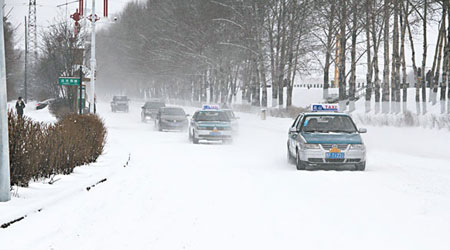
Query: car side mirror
{"type": "Point", "coordinates": [362, 130]}
{"type": "Point", "coordinates": [293, 130]}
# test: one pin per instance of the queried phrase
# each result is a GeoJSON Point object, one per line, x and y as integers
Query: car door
{"type": "Point", "coordinates": [293, 135]}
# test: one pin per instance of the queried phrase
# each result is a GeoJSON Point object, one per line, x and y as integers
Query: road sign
{"type": "Point", "coordinates": [69, 81]}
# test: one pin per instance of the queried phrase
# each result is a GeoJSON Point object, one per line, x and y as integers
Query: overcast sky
{"type": "Point", "coordinates": [47, 11]}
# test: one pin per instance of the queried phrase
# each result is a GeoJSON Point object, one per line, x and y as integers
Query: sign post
{"type": "Point", "coordinates": [81, 89]}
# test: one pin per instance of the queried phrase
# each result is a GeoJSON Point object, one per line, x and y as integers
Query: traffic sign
{"type": "Point", "coordinates": [69, 81]}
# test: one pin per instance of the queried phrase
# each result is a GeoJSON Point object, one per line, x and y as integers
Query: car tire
{"type": "Point", "coordinates": [301, 165]}
{"type": "Point", "coordinates": [361, 166]}
{"type": "Point", "coordinates": [159, 127]}
{"type": "Point", "coordinates": [194, 140]}
{"type": "Point", "coordinates": [290, 159]}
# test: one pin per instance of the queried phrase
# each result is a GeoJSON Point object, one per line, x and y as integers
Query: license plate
{"type": "Point", "coordinates": [214, 133]}
{"type": "Point", "coordinates": [335, 155]}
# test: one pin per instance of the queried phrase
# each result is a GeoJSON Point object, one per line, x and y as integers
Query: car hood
{"type": "Point", "coordinates": [327, 138]}
{"type": "Point", "coordinates": [173, 117]}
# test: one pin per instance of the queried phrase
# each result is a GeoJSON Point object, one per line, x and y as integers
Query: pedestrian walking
{"type": "Point", "coordinates": [20, 105]}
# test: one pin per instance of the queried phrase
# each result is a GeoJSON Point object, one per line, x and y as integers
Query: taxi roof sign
{"type": "Point", "coordinates": [324, 107]}
{"type": "Point", "coordinates": [210, 107]}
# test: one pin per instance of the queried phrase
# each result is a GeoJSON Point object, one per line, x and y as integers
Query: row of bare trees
{"type": "Point", "coordinates": [211, 50]}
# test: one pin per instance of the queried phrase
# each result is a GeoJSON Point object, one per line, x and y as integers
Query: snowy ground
{"type": "Point", "coordinates": [176, 195]}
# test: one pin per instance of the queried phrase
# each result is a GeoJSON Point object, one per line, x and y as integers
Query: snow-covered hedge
{"type": "Point", "coordinates": [39, 150]}
{"type": "Point", "coordinates": [407, 119]}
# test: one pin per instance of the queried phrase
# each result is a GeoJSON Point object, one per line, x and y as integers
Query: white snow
{"type": "Point", "coordinates": [176, 195]}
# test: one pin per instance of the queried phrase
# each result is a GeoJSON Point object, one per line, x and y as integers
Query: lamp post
{"type": "Point", "coordinates": [93, 19]}
{"type": "Point", "coordinates": [5, 194]}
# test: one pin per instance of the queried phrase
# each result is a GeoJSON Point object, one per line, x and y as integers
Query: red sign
{"type": "Point", "coordinates": [105, 8]}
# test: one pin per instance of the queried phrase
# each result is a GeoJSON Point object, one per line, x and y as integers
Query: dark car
{"type": "Point", "coordinates": [171, 118]}
{"type": "Point", "coordinates": [120, 103]}
{"type": "Point", "coordinates": [44, 104]}
{"type": "Point", "coordinates": [150, 109]}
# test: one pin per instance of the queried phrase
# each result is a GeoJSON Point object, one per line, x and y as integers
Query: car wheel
{"type": "Point", "coordinates": [361, 166]}
{"type": "Point", "coordinates": [194, 140]}
{"type": "Point", "coordinates": [290, 159]}
{"type": "Point", "coordinates": [301, 165]}
{"type": "Point", "coordinates": [159, 127]}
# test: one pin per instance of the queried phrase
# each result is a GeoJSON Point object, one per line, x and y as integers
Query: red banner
{"type": "Point", "coordinates": [105, 8]}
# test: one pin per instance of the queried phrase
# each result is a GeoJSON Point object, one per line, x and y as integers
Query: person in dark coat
{"type": "Point", "coordinates": [20, 105]}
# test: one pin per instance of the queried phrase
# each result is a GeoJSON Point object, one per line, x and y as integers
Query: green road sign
{"type": "Point", "coordinates": [69, 81]}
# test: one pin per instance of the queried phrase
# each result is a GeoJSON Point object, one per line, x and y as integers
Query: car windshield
{"type": "Point", "coordinates": [154, 105]}
{"type": "Point", "coordinates": [328, 123]}
{"type": "Point", "coordinates": [120, 98]}
{"type": "Point", "coordinates": [212, 116]}
{"type": "Point", "coordinates": [173, 111]}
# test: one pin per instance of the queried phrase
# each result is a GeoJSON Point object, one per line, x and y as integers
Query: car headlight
{"type": "Point", "coordinates": [202, 128]}
{"type": "Point", "coordinates": [357, 147]}
{"type": "Point", "coordinates": [311, 146]}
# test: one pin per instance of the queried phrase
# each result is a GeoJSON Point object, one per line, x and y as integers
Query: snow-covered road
{"type": "Point", "coordinates": [176, 195]}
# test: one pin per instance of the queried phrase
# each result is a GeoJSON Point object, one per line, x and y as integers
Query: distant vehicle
{"type": "Point", "coordinates": [171, 118]}
{"type": "Point", "coordinates": [120, 103]}
{"type": "Point", "coordinates": [150, 109]}
{"type": "Point", "coordinates": [326, 139]}
{"type": "Point", "coordinates": [332, 98]}
{"type": "Point", "coordinates": [44, 104]}
{"type": "Point", "coordinates": [233, 118]}
{"type": "Point", "coordinates": [210, 124]}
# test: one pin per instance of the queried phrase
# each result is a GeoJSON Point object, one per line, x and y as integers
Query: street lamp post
{"type": "Point", "coordinates": [5, 194]}
{"type": "Point", "coordinates": [93, 61]}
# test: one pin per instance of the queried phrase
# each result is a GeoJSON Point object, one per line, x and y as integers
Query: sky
{"type": "Point", "coordinates": [47, 12]}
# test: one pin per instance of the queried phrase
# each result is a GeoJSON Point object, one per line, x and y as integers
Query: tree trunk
{"type": "Point", "coordinates": [376, 69]}
{"type": "Point", "coordinates": [385, 97]}
{"type": "Point", "coordinates": [272, 62]}
{"type": "Point", "coordinates": [424, 58]}
{"type": "Point", "coordinates": [433, 92]}
{"type": "Point", "coordinates": [395, 103]}
{"type": "Point", "coordinates": [403, 62]}
{"type": "Point", "coordinates": [343, 40]}
{"type": "Point", "coordinates": [330, 36]}
{"type": "Point", "coordinates": [352, 81]}
{"type": "Point", "coordinates": [369, 58]}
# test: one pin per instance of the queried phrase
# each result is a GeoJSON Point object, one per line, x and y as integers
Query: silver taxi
{"type": "Point", "coordinates": [326, 140]}
{"type": "Point", "coordinates": [210, 124]}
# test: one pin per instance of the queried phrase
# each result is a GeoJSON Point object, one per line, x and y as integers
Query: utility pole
{"type": "Point", "coordinates": [93, 60]}
{"type": "Point", "coordinates": [32, 32]}
{"type": "Point", "coordinates": [80, 104]}
{"type": "Point", "coordinates": [26, 62]}
{"type": "Point", "coordinates": [5, 187]}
